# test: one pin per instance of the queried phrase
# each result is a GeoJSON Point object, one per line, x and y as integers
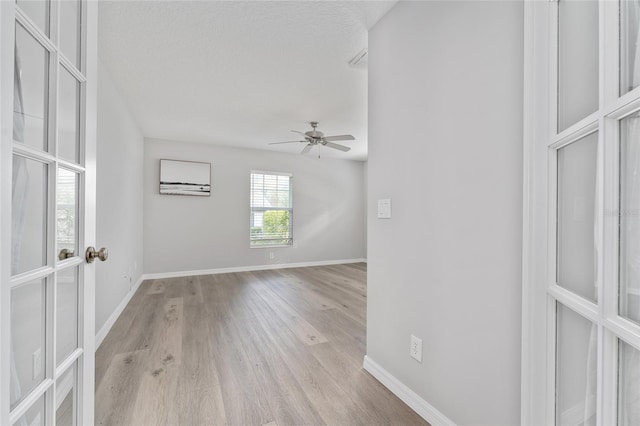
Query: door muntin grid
{"type": "Point", "coordinates": [53, 142]}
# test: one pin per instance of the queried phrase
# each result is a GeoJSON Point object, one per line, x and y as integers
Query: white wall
{"type": "Point", "coordinates": [183, 233]}
{"type": "Point", "coordinates": [445, 144]}
{"type": "Point", "coordinates": [119, 198]}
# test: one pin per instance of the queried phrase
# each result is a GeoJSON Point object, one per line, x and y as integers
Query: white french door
{"type": "Point", "coordinates": [581, 291]}
{"type": "Point", "coordinates": [47, 116]}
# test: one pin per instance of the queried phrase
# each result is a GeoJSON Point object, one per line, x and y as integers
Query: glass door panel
{"type": "Point", "coordinates": [576, 210]}
{"type": "Point", "coordinates": [68, 116]}
{"type": "Point", "coordinates": [66, 313]}
{"type": "Point", "coordinates": [37, 11]}
{"type": "Point", "coordinates": [70, 30]}
{"type": "Point", "coordinates": [576, 355]}
{"type": "Point", "coordinates": [629, 214]}
{"type": "Point", "coordinates": [66, 398]}
{"type": "Point", "coordinates": [35, 415]}
{"type": "Point", "coordinates": [30, 91]}
{"type": "Point", "coordinates": [66, 213]}
{"type": "Point", "coordinates": [629, 48]}
{"type": "Point", "coordinates": [628, 385]}
{"type": "Point", "coordinates": [28, 340]}
{"type": "Point", "coordinates": [28, 215]}
{"type": "Point", "coordinates": [577, 61]}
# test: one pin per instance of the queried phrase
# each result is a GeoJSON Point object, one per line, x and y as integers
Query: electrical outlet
{"type": "Point", "coordinates": [416, 348]}
{"type": "Point", "coordinates": [36, 359]}
{"type": "Point", "coordinates": [272, 255]}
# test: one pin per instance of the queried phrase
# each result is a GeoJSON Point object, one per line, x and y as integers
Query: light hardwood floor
{"type": "Point", "coordinates": [282, 347]}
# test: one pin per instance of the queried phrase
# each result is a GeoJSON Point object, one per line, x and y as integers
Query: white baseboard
{"type": "Point", "coordinates": [102, 333]}
{"type": "Point", "coordinates": [409, 397]}
{"type": "Point", "coordinates": [179, 274]}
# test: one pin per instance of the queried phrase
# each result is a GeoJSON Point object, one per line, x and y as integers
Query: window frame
{"type": "Point", "coordinates": [253, 209]}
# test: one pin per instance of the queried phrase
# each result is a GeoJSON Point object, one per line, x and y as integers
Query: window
{"type": "Point", "coordinates": [271, 209]}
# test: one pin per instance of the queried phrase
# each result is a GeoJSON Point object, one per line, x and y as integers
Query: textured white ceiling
{"type": "Point", "coordinates": [241, 73]}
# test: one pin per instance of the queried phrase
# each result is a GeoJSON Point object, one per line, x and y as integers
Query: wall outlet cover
{"type": "Point", "coordinates": [415, 350]}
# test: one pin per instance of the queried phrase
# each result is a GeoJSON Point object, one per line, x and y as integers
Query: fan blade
{"type": "Point", "coordinates": [336, 146]}
{"type": "Point", "coordinates": [276, 143]}
{"type": "Point", "coordinates": [305, 136]}
{"type": "Point", "coordinates": [307, 149]}
{"type": "Point", "coordinates": [339, 138]}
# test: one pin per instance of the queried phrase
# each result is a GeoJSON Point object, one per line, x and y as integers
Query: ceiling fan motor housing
{"type": "Point", "coordinates": [314, 134]}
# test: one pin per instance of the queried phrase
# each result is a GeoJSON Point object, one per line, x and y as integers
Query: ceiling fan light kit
{"type": "Point", "coordinates": [315, 137]}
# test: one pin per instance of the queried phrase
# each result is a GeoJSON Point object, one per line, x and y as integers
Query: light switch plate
{"type": "Point", "coordinates": [384, 208]}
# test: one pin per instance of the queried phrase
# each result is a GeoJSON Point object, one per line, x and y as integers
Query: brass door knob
{"type": "Point", "coordinates": [91, 254]}
{"type": "Point", "coordinates": [66, 254]}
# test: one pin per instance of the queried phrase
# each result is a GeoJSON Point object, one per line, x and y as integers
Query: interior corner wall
{"type": "Point", "coordinates": [187, 233]}
{"type": "Point", "coordinates": [119, 199]}
{"type": "Point", "coordinates": [445, 144]}
{"type": "Point", "coordinates": [365, 173]}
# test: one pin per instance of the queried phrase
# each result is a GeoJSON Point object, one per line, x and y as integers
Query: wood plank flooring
{"type": "Point", "coordinates": [281, 347]}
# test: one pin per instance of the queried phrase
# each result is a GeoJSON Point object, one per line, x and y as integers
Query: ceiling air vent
{"type": "Point", "coordinates": [361, 59]}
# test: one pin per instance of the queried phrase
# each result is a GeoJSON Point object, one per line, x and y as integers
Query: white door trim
{"type": "Point", "coordinates": [87, 388]}
{"type": "Point", "coordinates": [6, 143]}
{"type": "Point", "coordinates": [535, 123]}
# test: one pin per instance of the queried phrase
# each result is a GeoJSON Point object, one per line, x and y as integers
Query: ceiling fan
{"type": "Point", "coordinates": [316, 138]}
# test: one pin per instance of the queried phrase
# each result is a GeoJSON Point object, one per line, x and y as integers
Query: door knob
{"type": "Point", "coordinates": [66, 254]}
{"type": "Point", "coordinates": [91, 254]}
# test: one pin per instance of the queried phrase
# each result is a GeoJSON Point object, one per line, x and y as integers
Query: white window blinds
{"type": "Point", "coordinates": [271, 209]}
